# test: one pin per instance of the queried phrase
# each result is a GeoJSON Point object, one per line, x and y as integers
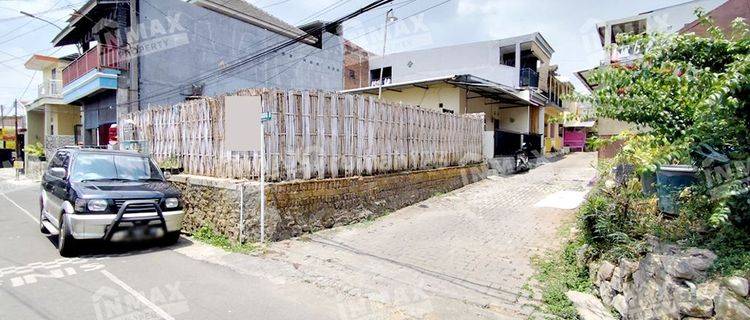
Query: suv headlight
{"type": "Point", "coordinates": [97, 205]}
{"type": "Point", "coordinates": [171, 203]}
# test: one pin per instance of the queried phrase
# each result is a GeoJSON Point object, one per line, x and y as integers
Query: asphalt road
{"type": "Point", "coordinates": [143, 281]}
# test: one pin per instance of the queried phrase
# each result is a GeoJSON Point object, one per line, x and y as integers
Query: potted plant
{"type": "Point", "coordinates": [171, 165]}
{"type": "Point", "coordinates": [36, 151]}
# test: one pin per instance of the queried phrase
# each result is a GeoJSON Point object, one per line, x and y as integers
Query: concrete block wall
{"type": "Point", "coordinates": [299, 207]}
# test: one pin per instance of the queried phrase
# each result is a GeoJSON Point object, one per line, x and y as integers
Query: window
{"type": "Point", "coordinates": [375, 75]}
{"type": "Point", "coordinates": [60, 160]}
{"type": "Point", "coordinates": [509, 59]}
{"type": "Point", "coordinates": [508, 55]}
{"type": "Point", "coordinates": [94, 166]}
{"type": "Point", "coordinates": [352, 74]}
{"type": "Point", "coordinates": [630, 27]}
{"type": "Point", "coordinates": [53, 73]}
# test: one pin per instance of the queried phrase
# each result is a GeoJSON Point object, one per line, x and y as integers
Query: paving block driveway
{"type": "Point", "coordinates": [464, 254]}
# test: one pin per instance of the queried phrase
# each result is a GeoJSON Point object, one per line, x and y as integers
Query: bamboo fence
{"type": "Point", "coordinates": [311, 135]}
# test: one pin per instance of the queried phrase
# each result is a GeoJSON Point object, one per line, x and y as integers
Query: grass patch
{"type": "Point", "coordinates": [558, 273]}
{"type": "Point", "coordinates": [207, 235]}
{"type": "Point", "coordinates": [732, 248]}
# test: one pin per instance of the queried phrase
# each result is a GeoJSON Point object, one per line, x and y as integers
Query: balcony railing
{"type": "Point", "coordinates": [98, 57]}
{"type": "Point", "coordinates": [554, 98]}
{"type": "Point", "coordinates": [50, 88]}
{"type": "Point", "coordinates": [376, 82]}
{"type": "Point", "coordinates": [529, 78]}
{"type": "Point", "coordinates": [622, 54]}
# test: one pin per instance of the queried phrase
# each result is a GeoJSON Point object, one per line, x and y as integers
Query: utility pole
{"type": "Point", "coordinates": [2, 125]}
{"type": "Point", "coordinates": [133, 56]}
{"type": "Point", "coordinates": [18, 146]}
{"type": "Point", "coordinates": [389, 17]}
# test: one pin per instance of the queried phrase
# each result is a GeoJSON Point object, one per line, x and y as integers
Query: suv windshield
{"type": "Point", "coordinates": [90, 167]}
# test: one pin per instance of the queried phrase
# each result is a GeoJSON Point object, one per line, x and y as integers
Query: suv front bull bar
{"type": "Point", "coordinates": [120, 218]}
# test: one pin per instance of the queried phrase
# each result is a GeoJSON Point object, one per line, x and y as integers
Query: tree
{"type": "Point", "coordinates": [692, 92]}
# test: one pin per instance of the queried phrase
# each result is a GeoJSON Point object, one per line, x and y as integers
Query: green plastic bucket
{"type": "Point", "coordinates": [670, 181]}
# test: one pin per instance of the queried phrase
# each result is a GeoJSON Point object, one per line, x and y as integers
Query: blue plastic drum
{"type": "Point", "coordinates": [670, 181]}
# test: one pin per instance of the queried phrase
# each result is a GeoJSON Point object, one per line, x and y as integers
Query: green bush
{"type": "Point", "coordinates": [36, 150]}
{"type": "Point", "coordinates": [689, 92]}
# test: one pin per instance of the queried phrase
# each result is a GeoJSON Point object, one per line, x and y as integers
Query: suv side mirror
{"type": "Point", "coordinates": [167, 174]}
{"type": "Point", "coordinates": [57, 172]}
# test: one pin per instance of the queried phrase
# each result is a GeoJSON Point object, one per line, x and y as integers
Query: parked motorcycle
{"type": "Point", "coordinates": [522, 158]}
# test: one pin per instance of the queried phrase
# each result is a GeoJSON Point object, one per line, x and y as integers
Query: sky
{"type": "Point", "coordinates": [568, 25]}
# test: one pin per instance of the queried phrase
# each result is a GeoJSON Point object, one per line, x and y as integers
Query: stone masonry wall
{"type": "Point", "coordinates": [54, 142]}
{"type": "Point", "coordinates": [670, 283]}
{"type": "Point", "coordinates": [319, 204]}
{"type": "Point", "coordinates": [209, 202]}
{"type": "Point", "coordinates": [299, 207]}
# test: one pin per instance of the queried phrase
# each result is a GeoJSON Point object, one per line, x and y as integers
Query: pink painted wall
{"type": "Point", "coordinates": [574, 138]}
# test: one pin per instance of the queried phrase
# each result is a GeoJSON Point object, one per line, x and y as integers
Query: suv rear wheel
{"type": "Point", "coordinates": [66, 244]}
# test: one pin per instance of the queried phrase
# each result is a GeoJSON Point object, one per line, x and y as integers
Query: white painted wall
{"type": "Point", "coordinates": [488, 144]}
{"type": "Point", "coordinates": [672, 19]}
{"type": "Point", "coordinates": [481, 59]}
{"type": "Point", "coordinates": [668, 19]}
{"type": "Point", "coordinates": [513, 119]}
{"type": "Point", "coordinates": [451, 97]}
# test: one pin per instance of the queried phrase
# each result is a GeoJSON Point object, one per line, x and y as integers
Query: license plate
{"type": "Point", "coordinates": [141, 232]}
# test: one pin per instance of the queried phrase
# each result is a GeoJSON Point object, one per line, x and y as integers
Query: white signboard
{"type": "Point", "coordinates": [242, 115]}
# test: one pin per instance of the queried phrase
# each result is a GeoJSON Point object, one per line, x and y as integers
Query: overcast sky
{"type": "Point", "coordinates": [567, 25]}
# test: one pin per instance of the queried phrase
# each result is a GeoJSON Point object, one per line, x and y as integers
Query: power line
{"type": "Point", "coordinates": [27, 32]}
{"type": "Point", "coordinates": [324, 10]}
{"type": "Point", "coordinates": [243, 62]}
{"type": "Point", "coordinates": [52, 8]}
{"type": "Point", "coordinates": [316, 52]}
{"type": "Point", "coordinates": [292, 64]}
{"type": "Point", "coordinates": [261, 42]}
{"type": "Point", "coordinates": [275, 4]}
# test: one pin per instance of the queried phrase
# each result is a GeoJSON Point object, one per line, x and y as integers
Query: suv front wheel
{"type": "Point", "coordinates": [170, 238]}
{"type": "Point", "coordinates": [42, 228]}
{"type": "Point", "coordinates": [66, 244]}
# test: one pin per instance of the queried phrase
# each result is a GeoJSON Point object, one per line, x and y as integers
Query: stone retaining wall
{"type": "Point", "coordinates": [670, 283]}
{"type": "Point", "coordinates": [298, 207]}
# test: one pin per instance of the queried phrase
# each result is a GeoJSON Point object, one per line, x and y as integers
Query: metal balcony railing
{"type": "Point", "coordinates": [376, 82]}
{"type": "Point", "coordinates": [529, 78]}
{"type": "Point", "coordinates": [50, 88]}
{"type": "Point", "coordinates": [98, 57]}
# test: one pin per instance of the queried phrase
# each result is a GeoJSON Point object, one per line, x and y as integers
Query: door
{"type": "Point", "coordinates": [56, 189]}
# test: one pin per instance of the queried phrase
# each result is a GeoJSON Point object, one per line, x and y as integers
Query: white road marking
{"type": "Point", "coordinates": [141, 298]}
{"type": "Point", "coordinates": [21, 208]}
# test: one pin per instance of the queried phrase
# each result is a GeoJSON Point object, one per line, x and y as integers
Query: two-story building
{"type": "Point", "coordinates": [139, 53]}
{"type": "Point", "coordinates": [678, 18]}
{"type": "Point", "coordinates": [510, 80]}
{"type": "Point", "coordinates": [50, 121]}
